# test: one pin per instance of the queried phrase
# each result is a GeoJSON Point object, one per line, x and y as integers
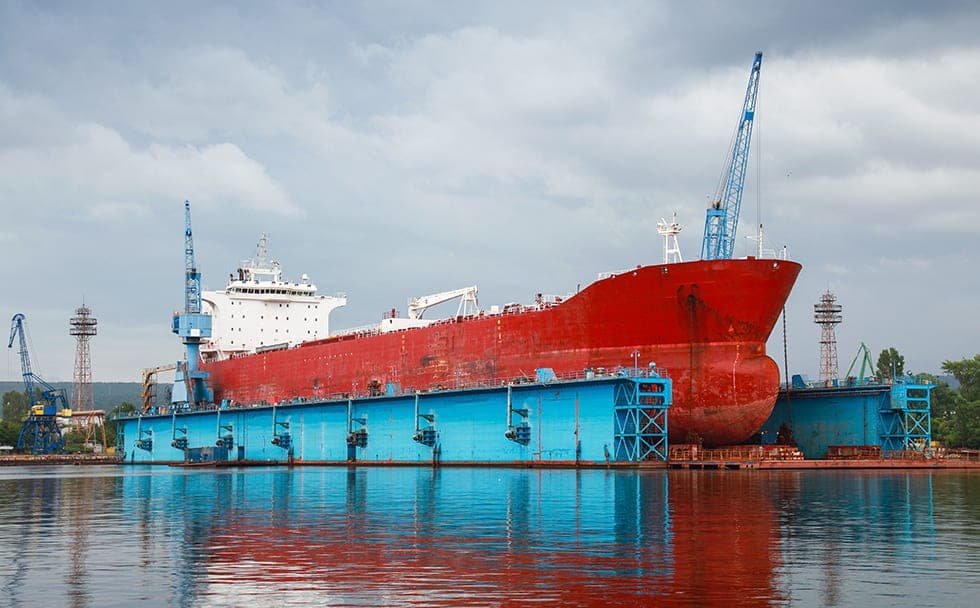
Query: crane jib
{"type": "Point", "coordinates": [721, 220]}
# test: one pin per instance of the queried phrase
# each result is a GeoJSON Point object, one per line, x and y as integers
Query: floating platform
{"type": "Point", "coordinates": [619, 419]}
{"type": "Point", "coordinates": [892, 418]}
{"type": "Point", "coordinates": [615, 420]}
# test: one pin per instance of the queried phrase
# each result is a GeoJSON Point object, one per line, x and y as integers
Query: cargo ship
{"type": "Point", "coordinates": [705, 322]}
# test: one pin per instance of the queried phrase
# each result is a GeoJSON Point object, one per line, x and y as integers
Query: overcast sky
{"type": "Point", "coordinates": [394, 149]}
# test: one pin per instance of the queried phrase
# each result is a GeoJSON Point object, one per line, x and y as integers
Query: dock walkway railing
{"type": "Point", "coordinates": [692, 452]}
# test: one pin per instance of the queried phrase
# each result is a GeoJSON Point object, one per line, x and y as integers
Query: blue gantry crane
{"type": "Point", "coordinates": [190, 385]}
{"type": "Point", "coordinates": [722, 217]}
{"type": "Point", "coordinates": [40, 433]}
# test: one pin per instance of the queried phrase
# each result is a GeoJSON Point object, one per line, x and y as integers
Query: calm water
{"type": "Point", "coordinates": [94, 536]}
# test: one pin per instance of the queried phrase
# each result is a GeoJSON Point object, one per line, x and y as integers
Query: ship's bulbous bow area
{"type": "Point", "coordinates": [724, 402]}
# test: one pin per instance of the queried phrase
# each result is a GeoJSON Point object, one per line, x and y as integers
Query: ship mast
{"type": "Point", "coordinates": [670, 230]}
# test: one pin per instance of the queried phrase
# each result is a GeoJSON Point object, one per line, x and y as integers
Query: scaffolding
{"type": "Point", "coordinates": [904, 420]}
{"type": "Point", "coordinates": [640, 432]}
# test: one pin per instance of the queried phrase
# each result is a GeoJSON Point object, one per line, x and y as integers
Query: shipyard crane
{"type": "Point", "coordinates": [467, 303]}
{"type": "Point", "coordinates": [722, 216]}
{"type": "Point", "coordinates": [193, 327]}
{"type": "Point", "coordinates": [40, 432]}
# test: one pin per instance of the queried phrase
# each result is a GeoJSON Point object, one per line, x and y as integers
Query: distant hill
{"type": "Point", "coordinates": [106, 395]}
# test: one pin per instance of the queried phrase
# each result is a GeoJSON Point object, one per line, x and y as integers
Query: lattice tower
{"type": "Point", "coordinates": [827, 314]}
{"type": "Point", "coordinates": [83, 327]}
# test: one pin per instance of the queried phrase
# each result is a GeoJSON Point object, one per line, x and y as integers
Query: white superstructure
{"type": "Point", "coordinates": [259, 311]}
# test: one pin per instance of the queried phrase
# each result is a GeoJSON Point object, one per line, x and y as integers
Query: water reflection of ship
{"type": "Point", "coordinates": [411, 536]}
{"type": "Point", "coordinates": [570, 538]}
{"type": "Point", "coordinates": [405, 536]}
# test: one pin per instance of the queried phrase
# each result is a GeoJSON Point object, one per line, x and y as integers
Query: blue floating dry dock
{"type": "Point", "coordinates": [595, 420]}
{"type": "Point", "coordinates": [832, 421]}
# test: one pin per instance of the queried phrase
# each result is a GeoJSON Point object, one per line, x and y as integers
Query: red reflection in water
{"type": "Point", "coordinates": [726, 539]}
{"type": "Point", "coordinates": [694, 539]}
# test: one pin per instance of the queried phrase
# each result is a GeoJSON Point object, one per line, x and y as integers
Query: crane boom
{"type": "Point", "coordinates": [418, 306]}
{"type": "Point", "coordinates": [721, 221]}
{"type": "Point", "coordinates": [192, 278]}
{"type": "Point", "coordinates": [17, 329]}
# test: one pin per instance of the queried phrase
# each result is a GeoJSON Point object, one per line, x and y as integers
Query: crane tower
{"type": "Point", "coordinates": [827, 314]}
{"type": "Point", "coordinates": [193, 327]}
{"type": "Point", "coordinates": [40, 433]}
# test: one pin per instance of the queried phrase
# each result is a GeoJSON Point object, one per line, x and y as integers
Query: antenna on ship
{"type": "Point", "coordinates": [761, 250]}
{"type": "Point", "coordinates": [670, 230]}
{"type": "Point", "coordinates": [262, 250]}
{"type": "Point", "coordinates": [827, 314]}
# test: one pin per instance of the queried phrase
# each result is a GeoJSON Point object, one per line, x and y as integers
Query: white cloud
{"type": "Point", "coordinates": [209, 92]}
{"type": "Point", "coordinates": [893, 198]}
{"type": "Point", "coordinates": [526, 150]}
{"type": "Point", "coordinates": [91, 169]}
{"type": "Point", "coordinates": [837, 270]}
{"type": "Point", "coordinates": [899, 265]}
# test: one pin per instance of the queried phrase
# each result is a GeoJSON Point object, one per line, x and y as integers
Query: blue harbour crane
{"type": "Point", "coordinates": [40, 433]}
{"type": "Point", "coordinates": [193, 327]}
{"type": "Point", "coordinates": [722, 216]}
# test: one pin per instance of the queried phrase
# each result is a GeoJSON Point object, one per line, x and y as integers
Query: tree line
{"type": "Point", "coordinates": [955, 411]}
{"type": "Point", "coordinates": [16, 406]}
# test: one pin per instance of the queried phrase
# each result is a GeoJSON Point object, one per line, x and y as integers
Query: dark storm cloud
{"type": "Point", "coordinates": [394, 149]}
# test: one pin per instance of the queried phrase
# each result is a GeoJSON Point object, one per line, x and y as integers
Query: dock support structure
{"type": "Point", "coordinates": [520, 432]}
{"type": "Point", "coordinates": [281, 436]}
{"type": "Point", "coordinates": [904, 420]}
{"type": "Point", "coordinates": [427, 435]}
{"type": "Point", "coordinates": [641, 420]}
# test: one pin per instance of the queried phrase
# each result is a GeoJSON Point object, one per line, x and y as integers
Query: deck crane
{"type": "Point", "coordinates": [148, 377]}
{"type": "Point", "coordinates": [193, 327]}
{"type": "Point", "coordinates": [40, 432]}
{"type": "Point", "coordinates": [722, 215]}
{"type": "Point", "coordinates": [467, 302]}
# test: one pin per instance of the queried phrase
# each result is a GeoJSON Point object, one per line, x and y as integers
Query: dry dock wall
{"type": "Point", "coordinates": [892, 417]}
{"type": "Point", "coordinates": [563, 422]}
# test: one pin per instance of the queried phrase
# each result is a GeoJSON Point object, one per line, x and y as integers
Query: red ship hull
{"type": "Point", "coordinates": [706, 323]}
